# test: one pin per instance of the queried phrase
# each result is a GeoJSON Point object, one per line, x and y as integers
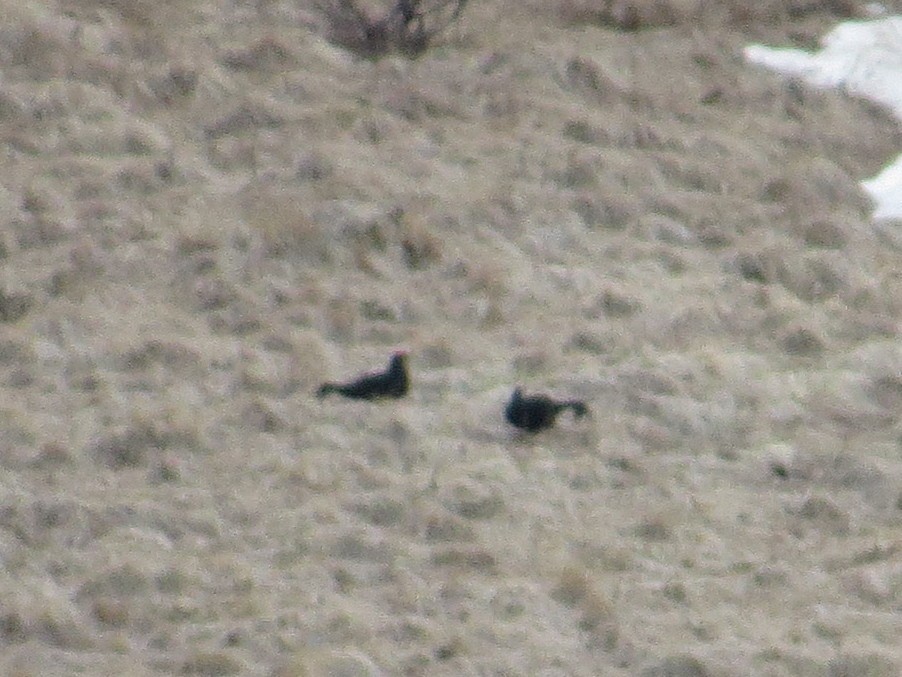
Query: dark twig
{"type": "Point", "coordinates": [408, 27]}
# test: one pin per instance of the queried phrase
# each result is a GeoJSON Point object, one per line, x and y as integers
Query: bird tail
{"type": "Point", "coordinates": [325, 389]}
{"type": "Point", "coordinates": [579, 407]}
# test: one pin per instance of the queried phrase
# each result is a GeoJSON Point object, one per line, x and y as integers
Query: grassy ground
{"type": "Point", "coordinates": [208, 209]}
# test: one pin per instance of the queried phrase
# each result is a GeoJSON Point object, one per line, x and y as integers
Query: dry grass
{"type": "Point", "coordinates": [211, 210]}
{"type": "Point", "coordinates": [635, 15]}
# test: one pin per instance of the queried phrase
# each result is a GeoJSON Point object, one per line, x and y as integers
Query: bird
{"type": "Point", "coordinates": [393, 382]}
{"type": "Point", "coordinates": [537, 412]}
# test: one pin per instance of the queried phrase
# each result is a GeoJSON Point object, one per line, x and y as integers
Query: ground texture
{"type": "Point", "coordinates": [207, 209]}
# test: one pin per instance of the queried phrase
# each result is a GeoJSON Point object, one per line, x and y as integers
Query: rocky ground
{"type": "Point", "coordinates": [207, 209]}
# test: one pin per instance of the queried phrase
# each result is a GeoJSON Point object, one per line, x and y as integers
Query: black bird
{"type": "Point", "coordinates": [393, 382]}
{"type": "Point", "coordinates": [537, 412]}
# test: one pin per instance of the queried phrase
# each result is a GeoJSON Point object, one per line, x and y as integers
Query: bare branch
{"type": "Point", "coordinates": [408, 27]}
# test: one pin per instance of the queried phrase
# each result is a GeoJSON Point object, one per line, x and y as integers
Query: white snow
{"type": "Point", "coordinates": [863, 58]}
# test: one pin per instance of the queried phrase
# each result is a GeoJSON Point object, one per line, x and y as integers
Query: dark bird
{"type": "Point", "coordinates": [393, 382]}
{"type": "Point", "coordinates": [537, 412]}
